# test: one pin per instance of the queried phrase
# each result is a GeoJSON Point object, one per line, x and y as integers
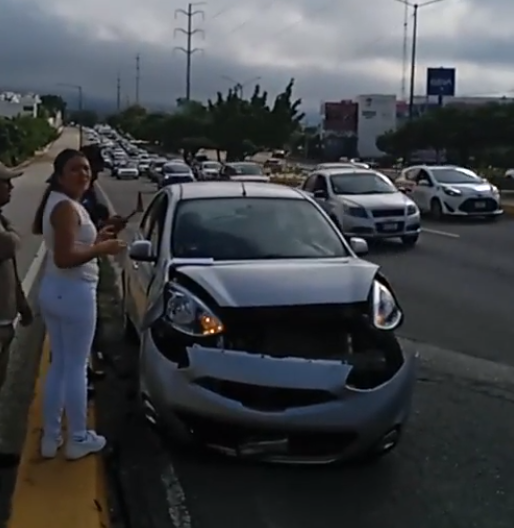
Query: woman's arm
{"type": "Point", "coordinates": [65, 221]}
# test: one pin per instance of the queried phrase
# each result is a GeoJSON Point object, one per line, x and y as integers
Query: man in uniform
{"type": "Point", "coordinates": [12, 299]}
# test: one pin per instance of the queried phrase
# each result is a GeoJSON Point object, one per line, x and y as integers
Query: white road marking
{"type": "Point", "coordinates": [440, 233]}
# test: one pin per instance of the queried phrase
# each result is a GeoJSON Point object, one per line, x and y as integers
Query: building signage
{"type": "Point", "coordinates": [441, 82]}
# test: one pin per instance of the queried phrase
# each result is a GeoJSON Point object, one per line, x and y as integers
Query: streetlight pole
{"type": "Point", "coordinates": [79, 88]}
{"type": "Point", "coordinates": [238, 86]}
{"type": "Point", "coordinates": [414, 50]}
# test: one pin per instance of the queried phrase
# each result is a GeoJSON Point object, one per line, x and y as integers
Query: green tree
{"type": "Point", "coordinates": [53, 104]}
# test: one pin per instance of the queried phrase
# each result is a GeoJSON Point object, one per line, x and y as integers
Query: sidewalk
{"type": "Point", "coordinates": [56, 493]}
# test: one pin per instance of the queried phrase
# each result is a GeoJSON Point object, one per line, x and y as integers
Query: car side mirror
{"type": "Point", "coordinates": [424, 183]}
{"type": "Point", "coordinates": [320, 195]}
{"type": "Point", "coordinates": [359, 246]}
{"type": "Point", "coordinates": [142, 251]}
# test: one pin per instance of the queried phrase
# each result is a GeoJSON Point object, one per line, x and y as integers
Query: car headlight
{"type": "Point", "coordinates": [356, 211]}
{"type": "Point", "coordinates": [495, 190]}
{"type": "Point", "coordinates": [187, 314]}
{"type": "Point", "coordinates": [451, 192]}
{"type": "Point", "coordinates": [412, 210]}
{"type": "Point", "coordinates": [386, 313]}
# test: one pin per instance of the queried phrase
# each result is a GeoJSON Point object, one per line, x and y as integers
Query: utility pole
{"type": "Point", "coordinates": [189, 33]}
{"type": "Point", "coordinates": [118, 93]}
{"type": "Point", "coordinates": [138, 76]}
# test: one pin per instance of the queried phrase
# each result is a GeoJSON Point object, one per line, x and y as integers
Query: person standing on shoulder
{"type": "Point", "coordinates": [12, 298]}
{"type": "Point", "coordinates": [67, 299]}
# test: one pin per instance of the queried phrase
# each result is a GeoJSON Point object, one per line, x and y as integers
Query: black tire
{"type": "Point", "coordinates": [410, 241]}
{"type": "Point", "coordinates": [436, 209]}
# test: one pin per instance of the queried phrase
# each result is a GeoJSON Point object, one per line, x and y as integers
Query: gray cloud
{"type": "Point", "coordinates": [346, 49]}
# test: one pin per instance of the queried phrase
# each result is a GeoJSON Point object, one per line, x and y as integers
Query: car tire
{"type": "Point", "coordinates": [436, 209]}
{"type": "Point", "coordinates": [410, 241]}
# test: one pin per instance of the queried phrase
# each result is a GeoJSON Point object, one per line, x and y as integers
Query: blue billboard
{"type": "Point", "coordinates": [441, 82]}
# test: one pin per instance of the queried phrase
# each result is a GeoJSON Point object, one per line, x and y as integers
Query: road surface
{"type": "Point", "coordinates": [454, 468]}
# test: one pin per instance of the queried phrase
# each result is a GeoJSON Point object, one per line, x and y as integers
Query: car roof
{"type": "Point", "coordinates": [234, 189]}
{"type": "Point", "coordinates": [346, 170]}
{"type": "Point", "coordinates": [241, 163]}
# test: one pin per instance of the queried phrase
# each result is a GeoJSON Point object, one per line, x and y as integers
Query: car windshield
{"type": "Point", "coordinates": [455, 176]}
{"type": "Point", "coordinates": [253, 229]}
{"type": "Point", "coordinates": [250, 169]}
{"type": "Point", "coordinates": [178, 178]}
{"type": "Point", "coordinates": [176, 169]}
{"type": "Point", "coordinates": [361, 183]}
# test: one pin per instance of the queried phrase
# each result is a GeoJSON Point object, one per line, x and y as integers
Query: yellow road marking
{"type": "Point", "coordinates": [56, 493]}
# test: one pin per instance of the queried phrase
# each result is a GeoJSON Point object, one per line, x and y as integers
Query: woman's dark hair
{"type": "Point", "coordinates": [60, 162]}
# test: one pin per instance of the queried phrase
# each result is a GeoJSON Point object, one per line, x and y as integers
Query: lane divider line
{"type": "Point", "coordinates": [440, 233]}
{"type": "Point", "coordinates": [56, 493]}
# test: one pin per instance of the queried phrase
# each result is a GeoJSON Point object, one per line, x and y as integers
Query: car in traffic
{"type": "Point", "coordinates": [155, 169]}
{"type": "Point", "coordinates": [262, 334]}
{"type": "Point", "coordinates": [209, 170]}
{"type": "Point", "coordinates": [447, 190]}
{"type": "Point", "coordinates": [241, 168]}
{"type": "Point", "coordinates": [365, 203]}
{"type": "Point", "coordinates": [173, 173]}
{"type": "Point", "coordinates": [127, 172]}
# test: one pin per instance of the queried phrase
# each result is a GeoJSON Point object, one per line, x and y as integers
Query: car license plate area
{"type": "Point", "coordinates": [480, 204]}
{"type": "Point", "coordinates": [390, 227]}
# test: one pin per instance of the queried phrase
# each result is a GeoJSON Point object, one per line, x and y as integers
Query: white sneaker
{"type": "Point", "coordinates": [91, 443]}
{"type": "Point", "coordinates": [50, 446]}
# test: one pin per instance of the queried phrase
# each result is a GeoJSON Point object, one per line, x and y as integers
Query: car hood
{"type": "Point", "coordinates": [374, 201]}
{"type": "Point", "coordinates": [285, 283]}
{"type": "Point", "coordinates": [471, 188]}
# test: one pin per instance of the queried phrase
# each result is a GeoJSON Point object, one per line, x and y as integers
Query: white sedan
{"type": "Point", "coordinates": [364, 203]}
{"type": "Point", "coordinates": [127, 172]}
{"type": "Point", "coordinates": [445, 190]}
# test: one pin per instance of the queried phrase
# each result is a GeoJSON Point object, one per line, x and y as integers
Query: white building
{"type": "Point", "coordinates": [14, 105]}
{"type": "Point", "coordinates": [376, 116]}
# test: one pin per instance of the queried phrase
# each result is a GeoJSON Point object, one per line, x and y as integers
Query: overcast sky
{"type": "Point", "coordinates": [334, 49]}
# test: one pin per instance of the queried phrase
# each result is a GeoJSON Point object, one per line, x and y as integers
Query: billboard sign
{"type": "Point", "coordinates": [441, 82]}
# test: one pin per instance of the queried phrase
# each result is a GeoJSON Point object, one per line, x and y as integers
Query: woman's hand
{"type": "Point", "coordinates": [106, 233]}
{"type": "Point", "coordinates": [118, 223]}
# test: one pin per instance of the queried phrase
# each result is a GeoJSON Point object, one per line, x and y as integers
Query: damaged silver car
{"type": "Point", "coordinates": [262, 333]}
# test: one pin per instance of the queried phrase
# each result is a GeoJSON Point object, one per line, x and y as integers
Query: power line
{"type": "Point", "coordinates": [138, 77]}
{"type": "Point", "coordinates": [189, 32]}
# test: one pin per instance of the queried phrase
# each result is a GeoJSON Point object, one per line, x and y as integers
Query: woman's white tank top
{"type": "Point", "coordinates": [86, 237]}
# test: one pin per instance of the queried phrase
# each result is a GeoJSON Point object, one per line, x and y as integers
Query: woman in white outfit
{"type": "Point", "coordinates": [67, 300]}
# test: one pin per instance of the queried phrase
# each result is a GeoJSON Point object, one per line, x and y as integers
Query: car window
{"type": "Point", "coordinates": [153, 220]}
{"type": "Point", "coordinates": [243, 169]}
{"type": "Point", "coordinates": [411, 174]}
{"type": "Point", "coordinates": [423, 175]}
{"type": "Point", "coordinates": [321, 184]}
{"type": "Point", "coordinates": [361, 183]}
{"type": "Point", "coordinates": [176, 168]}
{"type": "Point", "coordinates": [245, 228]}
{"type": "Point", "coordinates": [310, 183]}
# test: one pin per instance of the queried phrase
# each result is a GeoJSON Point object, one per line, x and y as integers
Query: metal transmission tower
{"type": "Point", "coordinates": [189, 33]}
{"type": "Point", "coordinates": [118, 93]}
{"type": "Point", "coordinates": [138, 77]}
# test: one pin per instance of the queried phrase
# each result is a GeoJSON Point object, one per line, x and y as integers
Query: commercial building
{"type": "Point", "coordinates": [14, 104]}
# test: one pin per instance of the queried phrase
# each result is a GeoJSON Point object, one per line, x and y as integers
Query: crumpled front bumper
{"type": "Point", "coordinates": [180, 397]}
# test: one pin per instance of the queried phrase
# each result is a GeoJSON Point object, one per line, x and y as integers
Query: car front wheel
{"type": "Point", "coordinates": [436, 209]}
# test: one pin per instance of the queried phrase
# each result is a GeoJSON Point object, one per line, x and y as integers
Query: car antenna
{"type": "Point", "coordinates": [243, 189]}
